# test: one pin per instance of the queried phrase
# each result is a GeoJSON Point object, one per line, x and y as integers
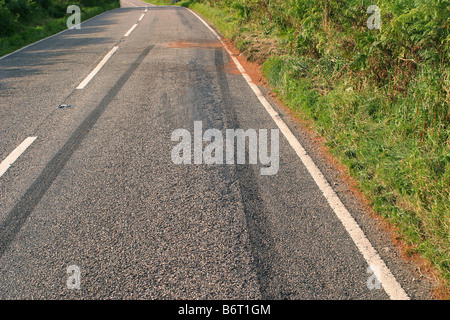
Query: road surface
{"type": "Point", "coordinates": [92, 205]}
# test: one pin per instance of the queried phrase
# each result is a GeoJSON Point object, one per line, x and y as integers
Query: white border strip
{"type": "Point", "coordinates": [97, 68]}
{"type": "Point", "coordinates": [386, 278]}
{"type": "Point", "coordinates": [9, 160]}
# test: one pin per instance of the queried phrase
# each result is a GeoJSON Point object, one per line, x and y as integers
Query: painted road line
{"type": "Point", "coordinates": [97, 68]}
{"type": "Point", "coordinates": [386, 278]}
{"type": "Point", "coordinates": [142, 16]}
{"type": "Point", "coordinates": [130, 31]}
{"type": "Point", "coordinates": [9, 160]}
{"type": "Point", "coordinates": [131, 3]}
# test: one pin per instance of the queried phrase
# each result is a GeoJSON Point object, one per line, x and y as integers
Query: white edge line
{"type": "Point", "coordinates": [131, 30]}
{"type": "Point", "coordinates": [97, 68]}
{"type": "Point", "coordinates": [387, 279]}
{"type": "Point", "coordinates": [12, 157]}
{"type": "Point", "coordinates": [54, 35]}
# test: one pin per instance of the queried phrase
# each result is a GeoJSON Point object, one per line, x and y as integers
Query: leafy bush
{"type": "Point", "coordinates": [22, 9]}
{"type": "Point", "coordinates": [26, 21]}
{"type": "Point", "coordinates": [16, 15]}
{"type": "Point", "coordinates": [7, 20]}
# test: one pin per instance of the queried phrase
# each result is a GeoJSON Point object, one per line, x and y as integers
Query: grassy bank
{"type": "Point", "coordinates": [26, 21]}
{"type": "Point", "coordinates": [380, 97]}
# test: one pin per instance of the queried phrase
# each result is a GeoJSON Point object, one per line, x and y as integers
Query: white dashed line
{"type": "Point", "coordinates": [106, 58]}
{"type": "Point", "coordinates": [130, 31]}
{"type": "Point", "coordinates": [9, 160]}
{"type": "Point", "coordinates": [97, 68]}
{"type": "Point", "coordinates": [131, 3]}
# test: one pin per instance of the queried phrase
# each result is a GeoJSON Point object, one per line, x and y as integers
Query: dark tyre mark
{"type": "Point", "coordinates": [25, 206]}
{"type": "Point", "coordinates": [261, 240]}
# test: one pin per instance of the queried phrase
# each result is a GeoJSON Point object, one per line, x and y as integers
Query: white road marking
{"type": "Point", "coordinates": [105, 59]}
{"type": "Point", "coordinates": [130, 31]}
{"type": "Point", "coordinates": [9, 160]}
{"type": "Point", "coordinates": [97, 68]}
{"type": "Point", "coordinates": [131, 3]}
{"type": "Point", "coordinates": [387, 279]}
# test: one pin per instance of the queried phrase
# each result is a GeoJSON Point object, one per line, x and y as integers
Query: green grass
{"type": "Point", "coordinates": [381, 98]}
{"type": "Point", "coordinates": [223, 22]}
{"type": "Point", "coordinates": [397, 148]}
{"type": "Point", "coordinates": [44, 26]}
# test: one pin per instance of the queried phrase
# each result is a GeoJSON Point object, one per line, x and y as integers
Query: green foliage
{"type": "Point", "coordinates": [7, 20]}
{"type": "Point", "coordinates": [25, 21]}
{"type": "Point", "coordinates": [22, 9]}
{"type": "Point", "coordinates": [17, 15]}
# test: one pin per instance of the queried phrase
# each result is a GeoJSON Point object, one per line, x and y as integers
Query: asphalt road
{"type": "Point", "coordinates": [97, 189]}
